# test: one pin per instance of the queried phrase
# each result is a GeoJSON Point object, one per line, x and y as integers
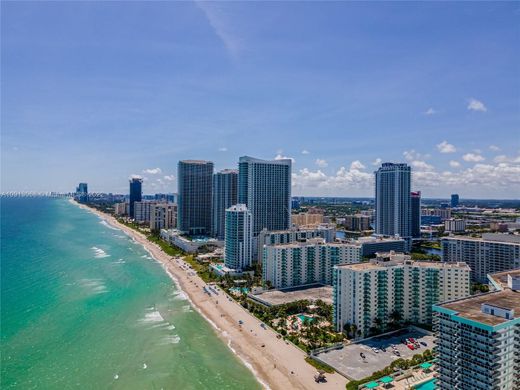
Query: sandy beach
{"type": "Point", "coordinates": [276, 364]}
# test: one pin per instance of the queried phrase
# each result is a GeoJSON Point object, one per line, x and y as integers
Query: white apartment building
{"type": "Point", "coordinates": [163, 216]}
{"type": "Point", "coordinates": [394, 288]}
{"type": "Point", "coordinates": [143, 210]}
{"type": "Point", "coordinates": [121, 209]}
{"type": "Point", "coordinates": [487, 255]}
{"type": "Point", "coordinates": [301, 263]}
{"type": "Point", "coordinates": [455, 225]}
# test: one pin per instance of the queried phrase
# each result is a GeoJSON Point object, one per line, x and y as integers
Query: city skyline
{"type": "Point", "coordinates": [336, 87]}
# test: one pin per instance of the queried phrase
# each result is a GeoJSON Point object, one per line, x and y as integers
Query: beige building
{"type": "Point", "coordinates": [306, 219]}
{"type": "Point", "coordinates": [394, 288]}
{"type": "Point", "coordinates": [163, 216]}
{"type": "Point", "coordinates": [121, 209]}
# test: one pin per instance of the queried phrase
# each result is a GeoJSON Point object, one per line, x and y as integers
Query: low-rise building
{"type": "Point", "coordinates": [394, 288]}
{"type": "Point", "coordinates": [489, 254]}
{"type": "Point", "coordinates": [478, 338]}
{"type": "Point", "coordinates": [189, 244]}
{"type": "Point", "coordinates": [443, 213]}
{"type": "Point", "coordinates": [303, 263]}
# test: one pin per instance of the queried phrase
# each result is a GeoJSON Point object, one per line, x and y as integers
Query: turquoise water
{"type": "Point", "coordinates": [303, 318]}
{"type": "Point", "coordinates": [83, 306]}
{"type": "Point", "coordinates": [429, 385]}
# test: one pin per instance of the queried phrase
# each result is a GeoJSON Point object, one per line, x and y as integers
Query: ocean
{"type": "Point", "coordinates": [83, 306]}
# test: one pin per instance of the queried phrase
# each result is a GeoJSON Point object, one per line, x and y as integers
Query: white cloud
{"type": "Point", "coordinates": [280, 157]}
{"type": "Point", "coordinates": [169, 177]}
{"type": "Point", "coordinates": [305, 151]}
{"type": "Point", "coordinates": [504, 159]}
{"type": "Point", "coordinates": [494, 148]}
{"type": "Point", "coordinates": [472, 157]}
{"type": "Point", "coordinates": [430, 111]}
{"type": "Point", "coordinates": [152, 171]}
{"type": "Point", "coordinates": [411, 155]}
{"type": "Point", "coordinates": [445, 147]}
{"type": "Point", "coordinates": [356, 165]}
{"type": "Point", "coordinates": [221, 23]}
{"type": "Point", "coordinates": [321, 163]}
{"type": "Point", "coordinates": [222, 149]}
{"type": "Point", "coordinates": [454, 164]}
{"type": "Point", "coordinates": [476, 105]}
{"type": "Point", "coordinates": [377, 161]}
{"type": "Point", "coordinates": [344, 180]}
{"type": "Point", "coordinates": [134, 176]}
{"type": "Point", "coordinates": [421, 165]}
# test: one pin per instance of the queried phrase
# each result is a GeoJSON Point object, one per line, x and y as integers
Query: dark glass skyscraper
{"type": "Point", "coordinates": [454, 200]}
{"type": "Point", "coordinates": [136, 193]}
{"type": "Point", "coordinates": [195, 185]}
{"type": "Point", "coordinates": [393, 201]}
{"type": "Point", "coordinates": [265, 188]}
{"type": "Point", "coordinates": [416, 214]}
{"type": "Point", "coordinates": [82, 192]}
{"type": "Point", "coordinates": [224, 196]}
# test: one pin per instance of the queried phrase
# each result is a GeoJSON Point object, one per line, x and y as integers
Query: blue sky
{"type": "Point", "coordinates": [98, 91]}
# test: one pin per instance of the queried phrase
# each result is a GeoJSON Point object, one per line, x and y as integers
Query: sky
{"type": "Point", "coordinates": [99, 91]}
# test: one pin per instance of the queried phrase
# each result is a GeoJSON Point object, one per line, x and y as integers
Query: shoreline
{"type": "Point", "coordinates": [275, 363]}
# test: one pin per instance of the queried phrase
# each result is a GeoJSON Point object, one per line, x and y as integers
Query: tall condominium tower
{"type": "Point", "coordinates": [416, 213]}
{"type": "Point", "coordinates": [195, 185]}
{"type": "Point", "coordinates": [136, 193]}
{"type": "Point", "coordinates": [82, 192]}
{"type": "Point", "coordinates": [393, 201]}
{"type": "Point", "coordinates": [224, 196]}
{"type": "Point", "coordinates": [478, 338]}
{"type": "Point", "coordinates": [265, 188]}
{"type": "Point", "coordinates": [239, 239]}
{"type": "Point", "coordinates": [454, 200]}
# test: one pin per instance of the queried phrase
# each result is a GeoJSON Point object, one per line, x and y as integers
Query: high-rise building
{"type": "Point", "coordinates": [357, 222]}
{"type": "Point", "coordinates": [487, 255]}
{"type": "Point", "coordinates": [394, 288]}
{"type": "Point", "coordinates": [265, 188]}
{"type": "Point", "coordinates": [478, 338]}
{"type": "Point", "coordinates": [416, 214]}
{"type": "Point", "coordinates": [225, 190]}
{"type": "Point", "coordinates": [136, 193]}
{"type": "Point", "coordinates": [143, 211]}
{"type": "Point", "coordinates": [309, 262]}
{"type": "Point", "coordinates": [393, 201]}
{"type": "Point", "coordinates": [454, 200]}
{"type": "Point", "coordinates": [195, 186]}
{"type": "Point", "coordinates": [82, 192]}
{"type": "Point", "coordinates": [239, 238]}
{"type": "Point", "coordinates": [305, 219]}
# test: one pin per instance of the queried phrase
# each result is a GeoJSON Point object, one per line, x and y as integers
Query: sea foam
{"type": "Point", "coordinates": [99, 253]}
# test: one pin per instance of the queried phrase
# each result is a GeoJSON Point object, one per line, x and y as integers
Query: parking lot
{"type": "Point", "coordinates": [348, 361]}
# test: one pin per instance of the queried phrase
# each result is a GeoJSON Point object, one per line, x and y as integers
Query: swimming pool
{"type": "Point", "coordinates": [303, 318]}
{"type": "Point", "coordinates": [428, 385]}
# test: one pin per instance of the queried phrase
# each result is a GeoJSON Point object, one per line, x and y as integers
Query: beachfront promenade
{"type": "Point", "coordinates": [277, 363]}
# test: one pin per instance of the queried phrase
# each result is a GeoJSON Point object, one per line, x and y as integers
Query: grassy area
{"type": "Point", "coordinates": [319, 366]}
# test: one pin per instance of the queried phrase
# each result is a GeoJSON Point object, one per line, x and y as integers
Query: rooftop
{"type": "Point", "coordinates": [490, 237]}
{"type": "Point", "coordinates": [280, 297]}
{"type": "Point", "coordinates": [501, 278]}
{"type": "Point", "coordinates": [471, 308]}
{"type": "Point", "coordinates": [423, 264]}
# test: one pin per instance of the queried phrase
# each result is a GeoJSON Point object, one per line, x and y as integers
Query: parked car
{"type": "Point", "coordinates": [383, 349]}
{"type": "Point", "coordinates": [397, 353]}
{"type": "Point", "coordinates": [375, 349]}
{"type": "Point", "coordinates": [424, 343]}
{"type": "Point", "coordinates": [410, 346]}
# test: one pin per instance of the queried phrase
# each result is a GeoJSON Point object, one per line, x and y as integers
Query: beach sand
{"type": "Point", "coordinates": [277, 365]}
